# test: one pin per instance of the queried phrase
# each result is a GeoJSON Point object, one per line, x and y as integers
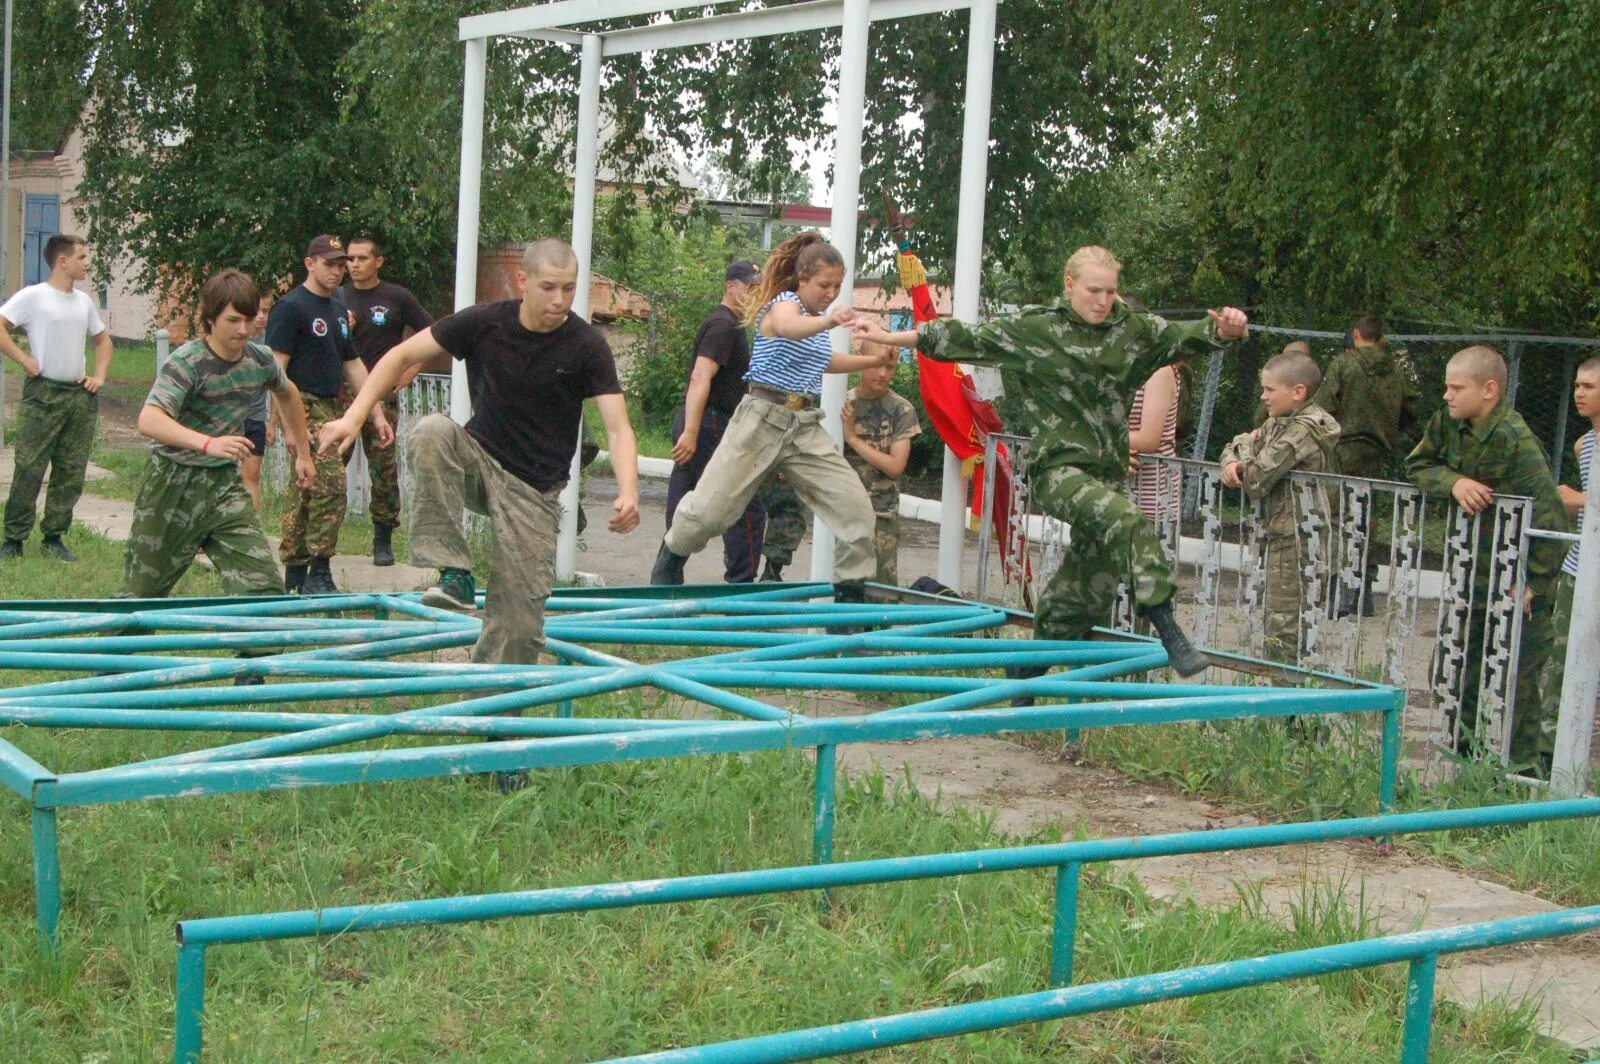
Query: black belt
{"type": "Point", "coordinates": [788, 400]}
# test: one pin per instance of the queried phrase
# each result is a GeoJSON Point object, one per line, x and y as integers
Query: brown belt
{"type": "Point", "coordinates": [779, 397]}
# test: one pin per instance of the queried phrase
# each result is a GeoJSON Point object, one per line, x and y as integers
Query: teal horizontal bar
{"type": "Point", "coordinates": [254, 721]}
{"type": "Point", "coordinates": [20, 772]}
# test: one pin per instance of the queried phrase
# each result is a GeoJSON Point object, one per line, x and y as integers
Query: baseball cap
{"type": "Point", "coordinates": [326, 247]}
{"type": "Point", "coordinates": [742, 270]}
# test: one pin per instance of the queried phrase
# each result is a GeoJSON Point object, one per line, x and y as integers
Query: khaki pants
{"type": "Point", "coordinates": [761, 437]}
{"type": "Point", "coordinates": [454, 474]}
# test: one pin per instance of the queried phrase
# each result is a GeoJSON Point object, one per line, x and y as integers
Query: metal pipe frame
{"type": "Point", "coordinates": [750, 640]}
{"type": "Point", "coordinates": [196, 936]}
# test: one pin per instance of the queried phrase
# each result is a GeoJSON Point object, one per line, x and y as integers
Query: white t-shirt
{"type": "Point", "coordinates": [59, 325]}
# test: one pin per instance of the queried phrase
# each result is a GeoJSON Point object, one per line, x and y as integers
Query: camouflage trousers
{"type": "Point", "coordinates": [183, 509]}
{"type": "Point", "coordinates": [1111, 542]}
{"type": "Point", "coordinates": [1281, 608]}
{"type": "Point", "coordinates": [886, 545]}
{"type": "Point", "coordinates": [312, 519]}
{"type": "Point", "coordinates": [763, 437]}
{"type": "Point", "coordinates": [54, 430]}
{"type": "Point", "coordinates": [454, 474]}
{"type": "Point", "coordinates": [787, 519]}
{"type": "Point", "coordinates": [383, 466]}
{"type": "Point", "coordinates": [1533, 721]}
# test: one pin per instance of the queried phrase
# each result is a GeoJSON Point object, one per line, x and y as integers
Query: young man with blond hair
{"type": "Point", "coordinates": [1077, 363]}
{"type": "Point", "coordinates": [1475, 448]}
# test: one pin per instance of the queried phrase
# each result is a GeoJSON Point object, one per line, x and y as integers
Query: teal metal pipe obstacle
{"type": "Point", "coordinates": [196, 936]}
{"type": "Point", "coordinates": [156, 666]}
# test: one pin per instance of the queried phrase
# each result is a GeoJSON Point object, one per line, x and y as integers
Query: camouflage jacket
{"type": "Point", "coordinates": [200, 391]}
{"type": "Point", "coordinates": [879, 423]}
{"type": "Point", "coordinates": [1504, 454]}
{"type": "Point", "coordinates": [1076, 380]}
{"type": "Point", "coordinates": [1304, 440]}
{"type": "Point", "coordinates": [1373, 393]}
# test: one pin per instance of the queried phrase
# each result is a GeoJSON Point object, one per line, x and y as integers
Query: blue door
{"type": "Point", "coordinates": [41, 220]}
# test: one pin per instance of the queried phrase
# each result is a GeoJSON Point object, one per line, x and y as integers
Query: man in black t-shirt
{"type": "Point", "coordinates": [530, 364]}
{"type": "Point", "coordinates": [381, 314]}
{"type": "Point", "coordinates": [716, 384]}
{"type": "Point", "coordinates": [309, 332]}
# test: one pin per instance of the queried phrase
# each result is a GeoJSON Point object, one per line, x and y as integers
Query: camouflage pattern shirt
{"type": "Point", "coordinates": [200, 391]}
{"type": "Point", "coordinates": [1373, 393]}
{"type": "Point", "coordinates": [1303, 440]}
{"type": "Point", "coordinates": [1076, 380]}
{"type": "Point", "coordinates": [1504, 454]}
{"type": "Point", "coordinates": [880, 422]}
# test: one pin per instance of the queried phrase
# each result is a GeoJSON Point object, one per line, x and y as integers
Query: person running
{"type": "Point", "coordinates": [192, 497]}
{"type": "Point", "coordinates": [721, 357]}
{"type": "Point", "coordinates": [382, 314]}
{"type": "Point", "coordinates": [531, 362]}
{"type": "Point", "coordinates": [309, 332]}
{"type": "Point", "coordinates": [60, 402]}
{"type": "Point", "coordinates": [1078, 362]}
{"type": "Point", "coordinates": [778, 424]}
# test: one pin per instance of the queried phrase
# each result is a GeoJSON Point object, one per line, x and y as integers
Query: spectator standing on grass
{"type": "Point", "coordinates": [60, 404]}
{"type": "Point", "coordinates": [259, 426]}
{"type": "Point", "coordinates": [309, 332]}
{"type": "Point", "coordinates": [1574, 496]}
{"type": "Point", "coordinates": [192, 496]}
{"type": "Point", "coordinates": [879, 426]}
{"type": "Point", "coordinates": [382, 314]}
{"type": "Point", "coordinates": [718, 362]}
{"type": "Point", "coordinates": [1371, 389]}
{"type": "Point", "coordinates": [1475, 448]}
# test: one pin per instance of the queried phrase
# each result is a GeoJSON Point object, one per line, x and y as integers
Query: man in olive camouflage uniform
{"type": "Point", "coordinates": [878, 428]}
{"type": "Point", "coordinates": [1076, 364]}
{"type": "Point", "coordinates": [1297, 435]}
{"type": "Point", "coordinates": [1471, 451]}
{"type": "Point", "coordinates": [787, 521]}
{"type": "Point", "coordinates": [1372, 391]}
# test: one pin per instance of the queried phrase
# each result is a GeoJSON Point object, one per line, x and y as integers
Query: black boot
{"type": "Point", "coordinates": [773, 574]}
{"type": "Point", "coordinates": [319, 579]}
{"type": "Point", "coordinates": [668, 569]}
{"type": "Point", "coordinates": [850, 591]}
{"type": "Point", "coordinates": [53, 547]}
{"type": "Point", "coordinates": [382, 551]}
{"type": "Point", "coordinates": [294, 577]}
{"type": "Point", "coordinates": [1184, 659]}
{"type": "Point", "coordinates": [1024, 672]}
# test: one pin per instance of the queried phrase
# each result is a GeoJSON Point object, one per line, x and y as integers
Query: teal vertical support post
{"type": "Point", "coordinates": [188, 1032]}
{"type": "Point", "coordinates": [1065, 939]}
{"type": "Point", "coordinates": [822, 819]}
{"type": "Point", "coordinates": [1389, 769]}
{"type": "Point", "coordinates": [1418, 1030]}
{"type": "Point", "coordinates": [46, 878]}
{"type": "Point", "coordinates": [563, 707]}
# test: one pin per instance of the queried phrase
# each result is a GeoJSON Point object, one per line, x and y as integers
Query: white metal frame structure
{"type": "Point", "coordinates": [560, 22]}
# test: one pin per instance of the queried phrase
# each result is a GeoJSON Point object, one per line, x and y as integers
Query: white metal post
{"type": "Point", "coordinates": [472, 88]}
{"type": "Point", "coordinates": [969, 258]}
{"type": "Point", "coordinates": [585, 162]}
{"type": "Point", "coordinates": [5, 197]}
{"type": "Point", "coordinates": [853, 38]}
{"type": "Point", "coordinates": [1580, 684]}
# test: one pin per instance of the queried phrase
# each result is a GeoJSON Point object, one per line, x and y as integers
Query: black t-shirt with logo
{"type": "Point", "coordinates": [528, 387]}
{"type": "Point", "coordinates": [722, 339]}
{"type": "Point", "coordinates": [314, 331]}
{"type": "Point", "coordinates": [382, 314]}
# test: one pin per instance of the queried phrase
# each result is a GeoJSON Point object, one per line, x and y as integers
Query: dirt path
{"type": "Point", "coordinates": [1026, 789]}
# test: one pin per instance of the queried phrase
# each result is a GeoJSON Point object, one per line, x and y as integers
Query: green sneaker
{"type": "Point", "coordinates": [454, 591]}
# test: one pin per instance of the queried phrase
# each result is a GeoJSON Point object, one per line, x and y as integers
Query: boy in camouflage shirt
{"type": "Point", "coordinates": [192, 497]}
{"type": "Point", "coordinates": [1077, 363]}
{"type": "Point", "coordinates": [1298, 434]}
{"type": "Point", "coordinates": [1474, 448]}
{"type": "Point", "coordinates": [878, 429]}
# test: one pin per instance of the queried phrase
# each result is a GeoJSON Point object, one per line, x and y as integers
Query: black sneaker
{"type": "Point", "coordinates": [382, 549]}
{"type": "Point", "coordinates": [1024, 672]}
{"type": "Point", "coordinates": [454, 591]}
{"type": "Point", "coordinates": [53, 546]}
{"type": "Point", "coordinates": [249, 681]}
{"type": "Point", "coordinates": [11, 548]}
{"type": "Point", "coordinates": [319, 579]}
{"type": "Point", "coordinates": [668, 568]}
{"type": "Point", "coordinates": [773, 574]}
{"type": "Point", "coordinates": [511, 782]}
{"type": "Point", "coordinates": [294, 577]}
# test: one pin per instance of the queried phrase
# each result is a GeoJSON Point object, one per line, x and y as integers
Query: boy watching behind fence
{"type": "Point", "coordinates": [878, 428]}
{"type": "Point", "coordinates": [1297, 435]}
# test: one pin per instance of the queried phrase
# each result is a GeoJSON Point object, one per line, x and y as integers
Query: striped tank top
{"type": "Point", "coordinates": [1155, 489]}
{"type": "Point", "coordinates": [789, 365]}
{"type": "Point", "coordinates": [1585, 462]}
